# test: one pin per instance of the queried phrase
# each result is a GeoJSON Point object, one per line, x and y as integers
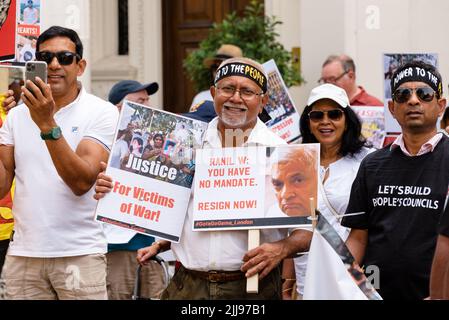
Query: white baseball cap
{"type": "Point", "coordinates": [329, 91]}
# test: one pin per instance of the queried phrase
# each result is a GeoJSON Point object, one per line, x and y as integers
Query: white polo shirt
{"type": "Point", "coordinates": [50, 221]}
{"type": "Point", "coordinates": [222, 250]}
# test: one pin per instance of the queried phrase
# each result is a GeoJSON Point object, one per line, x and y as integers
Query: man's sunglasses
{"type": "Point", "coordinates": [335, 114]}
{"type": "Point", "coordinates": [402, 95]}
{"type": "Point", "coordinates": [65, 58]}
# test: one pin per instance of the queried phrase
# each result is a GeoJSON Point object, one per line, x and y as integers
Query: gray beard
{"type": "Point", "coordinates": [4, 8]}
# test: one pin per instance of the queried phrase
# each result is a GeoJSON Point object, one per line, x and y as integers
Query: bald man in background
{"type": "Point", "coordinates": [340, 71]}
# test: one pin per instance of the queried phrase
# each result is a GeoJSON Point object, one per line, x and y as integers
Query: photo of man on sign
{"type": "Point", "coordinates": [29, 12]}
{"type": "Point", "coordinates": [293, 179]}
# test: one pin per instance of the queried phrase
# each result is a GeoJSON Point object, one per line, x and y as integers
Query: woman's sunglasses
{"type": "Point", "coordinates": [65, 58]}
{"type": "Point", "coordinates": [335, 114]}
{"type": "Point", "coordinates": [402, 95]}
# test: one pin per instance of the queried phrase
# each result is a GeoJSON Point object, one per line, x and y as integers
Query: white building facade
{"type": "Point", "coordinates": [363, 29]}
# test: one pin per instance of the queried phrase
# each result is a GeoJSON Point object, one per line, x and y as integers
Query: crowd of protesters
{"type": "Point", "coordinates": [69, 133]}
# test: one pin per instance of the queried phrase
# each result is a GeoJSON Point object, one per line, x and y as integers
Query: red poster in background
{"type": "Point", "coordinates": [390, 138]}
{"type": "Point", "coordinates": [8, 16]}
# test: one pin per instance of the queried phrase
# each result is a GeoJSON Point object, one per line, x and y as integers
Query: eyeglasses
{"type": "Point", "coordinates": [245, 94]}
{"type": "Point", "coordinates": [332, 80]}
{"type": "Point", "coordinates": [65, 58]}
{"type": "Point", "coordinates": [335, 115]}
{"type": "Point", "coordinates": [402, 95]}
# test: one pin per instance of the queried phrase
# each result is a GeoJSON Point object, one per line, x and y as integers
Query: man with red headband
{"type": "Point", "coordinates": [215, 265]}
{"type": "Point", "coordinates": [402, 189]}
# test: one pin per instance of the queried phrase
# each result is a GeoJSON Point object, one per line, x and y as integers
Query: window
{"type": "Point", "coordinates": [123, 42]}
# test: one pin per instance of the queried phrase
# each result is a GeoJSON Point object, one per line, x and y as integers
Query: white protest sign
{"type": "Point", "coordinates": [255, 187]}
{"type": "Point", "coordinates": [151, 186]}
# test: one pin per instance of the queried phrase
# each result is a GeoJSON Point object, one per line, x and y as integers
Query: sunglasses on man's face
{"type": "Point", "coordinates": [65, 58]}
{"type": "Point", "coordinates": [402, 95]}
{"type": "Point", "coordinates": [335, 114]}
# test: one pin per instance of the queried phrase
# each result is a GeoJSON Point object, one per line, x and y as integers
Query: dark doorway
{"type": "Point", "coordinates": [185, 24]}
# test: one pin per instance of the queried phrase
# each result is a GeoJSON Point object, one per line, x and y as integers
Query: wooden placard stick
{"type": "Point", "coordinates": [252, 284]}
{"type": "Point", "coordinates": [313, 213]}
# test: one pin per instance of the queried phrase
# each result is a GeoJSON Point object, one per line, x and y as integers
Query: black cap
{"type": "Point", "coordinates": [203, 111]}
{"type": "Point", "coordinates": [121, 89]}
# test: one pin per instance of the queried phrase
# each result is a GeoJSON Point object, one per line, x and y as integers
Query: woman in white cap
{"type": "Point", "coordinates": [329, 120]}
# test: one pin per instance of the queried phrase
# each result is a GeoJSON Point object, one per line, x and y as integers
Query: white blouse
{"type": "Point", "coordinates": [337, 188]}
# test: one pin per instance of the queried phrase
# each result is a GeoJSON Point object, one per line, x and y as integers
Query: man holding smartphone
{"type": "Point", "coordinates": [53, 145]}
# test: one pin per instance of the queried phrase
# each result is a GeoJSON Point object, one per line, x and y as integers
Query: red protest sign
{"type": "Point", "coordinates": [8, 18]}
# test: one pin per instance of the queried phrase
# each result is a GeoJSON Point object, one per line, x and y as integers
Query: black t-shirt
{"type": "Point", "coordinates": [443, 228]}
{"type": "Point", "coordinates": [403, 198]}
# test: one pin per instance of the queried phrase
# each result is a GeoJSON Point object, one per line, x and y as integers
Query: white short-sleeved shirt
{"type": "Point", "coordinates": [117, 235]}
{"type": "Point", "coordinates": [337, 188]}
{"type": "Point", "coordinates": [222, 250]}
{"type": "Point", "coordinates": [50, 221]}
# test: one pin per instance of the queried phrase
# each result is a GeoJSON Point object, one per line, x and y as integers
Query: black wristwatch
{"type": "Point", "coordinates": [54, 134]}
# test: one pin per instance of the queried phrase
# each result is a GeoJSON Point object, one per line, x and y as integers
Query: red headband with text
{"type": "Point", "coordinates": [415, 73]}
{"type": "Point", "coordinates": [242, 70]}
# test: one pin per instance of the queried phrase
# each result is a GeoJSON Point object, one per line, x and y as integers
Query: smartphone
{"type": "Point", "coordinates": [35, 69]}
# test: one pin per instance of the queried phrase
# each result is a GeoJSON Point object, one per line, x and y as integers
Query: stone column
{"type": "Point", "coordinates": [73, 14]}
{"type": "Point", "coordinates": [145, 43]}
{"type": "Point", "coordinates": [144, 61]}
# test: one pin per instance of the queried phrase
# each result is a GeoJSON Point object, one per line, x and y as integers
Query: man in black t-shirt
{"type": "Point", "coordinates": [403, 188]}
{"type": "Point", "coordinates": [439, 280]}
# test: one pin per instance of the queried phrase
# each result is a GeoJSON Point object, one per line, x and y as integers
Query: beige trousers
{"type": "Point", "coordinates": [121, 275]}
{"type": "Point", "coordinates": [68, 278]}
